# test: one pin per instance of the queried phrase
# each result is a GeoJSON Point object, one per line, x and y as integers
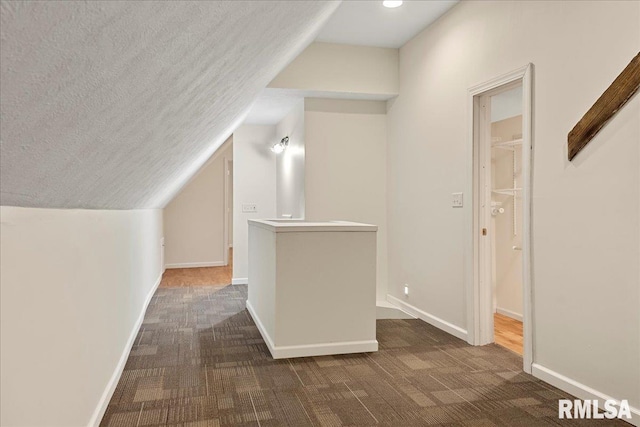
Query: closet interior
{"type": "Point", "coordinates": [506, 214]}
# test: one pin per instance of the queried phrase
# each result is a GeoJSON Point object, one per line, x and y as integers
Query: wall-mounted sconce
{"type": "Point", "coordinates": [279, 147]}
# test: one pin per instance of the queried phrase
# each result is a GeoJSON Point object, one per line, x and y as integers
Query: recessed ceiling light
{"type": "Point", "coordinates": [392, 3]}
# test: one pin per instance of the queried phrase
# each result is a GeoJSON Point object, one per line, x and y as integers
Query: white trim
{"type": "Point", "coordinates": [261, 328]}
{"type": "Point", "coordinates": [196, 264]}
{"type": "Point", "coordinates": [227, 209]}
{"type": "Point", "coordinates": [450, 328]}
{"type": "Point", "coordinates": [323, 349]}
{"type": "Point", "coordinates": [579, 390]}
{"type": "Point", "coordinates": [527, 209]}
{"type": "Point", "coordinates": [96, 418]}
{"type": "Point", "coordinates": [479, 320]}
{"type": "Point", "coordinates": [509, 313]}
{"type": "Point", "coordinates": [162, 258]}
{"type": "Point", "coordinates": [240, 281]}
{"type": "Point", "coordinates": [387, 310]}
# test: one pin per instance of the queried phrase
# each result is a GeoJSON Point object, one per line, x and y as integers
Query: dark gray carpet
{"type": "Point", "coordinates": [199, 360]}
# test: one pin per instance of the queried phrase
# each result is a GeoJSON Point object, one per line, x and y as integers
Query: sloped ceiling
{"type": "Point", "coordinates": [115, 105]}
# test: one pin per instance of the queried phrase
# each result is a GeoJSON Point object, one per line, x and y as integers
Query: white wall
{"type": "Point", "coordinates": [311, 289]}
{"type": "Point", "coordinates": [254, 182]}
{"type": "Point", "coordinates": [74, 284]}
{"type": "Point", "coordinates": [290, 165]}
{"type": "Point", "coordinates": [341, 68]}
{"type": "Point", "coordinates": [586, 213]}
{"type": "Point", "coordinates": [194, 219]}
{"type": "Point", "coordinates": [346, 146]}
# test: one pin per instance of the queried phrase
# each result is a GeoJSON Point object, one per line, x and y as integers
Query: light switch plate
{"type": "Point", "coordinates": [456, 200]}
{"type": "Point", "coordinates": [249, 208]}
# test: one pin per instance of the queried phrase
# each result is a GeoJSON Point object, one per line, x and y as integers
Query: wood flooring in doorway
{"type": "Point", "coordinates": [508, 333]}
{"type": "Point", "coordinates": [181, 277]}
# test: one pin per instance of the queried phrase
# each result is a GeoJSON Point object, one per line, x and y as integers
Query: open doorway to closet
{"type": "Point", "coordinates": [499, 288]}
{"type": "Point", "coordinates": [506, 216]}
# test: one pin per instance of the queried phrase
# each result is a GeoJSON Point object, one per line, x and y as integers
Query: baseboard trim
{"type": "Point", "coordinates": [450, 328]}
{"type": "Point", "coordinates": [285, 352]}
{"type": "Point", "coordinates": [509, 313]}
{"type": "Point", "coordinates": [240, 281]}
{"type": "Point", "coordinates": [325, 349]}
{"type": "Point", "coordinates": [96, 418]}
{"type": "Point", "coordinates": [578, 390]}
{"type": "Point", "coordinates": [196, 264]}
{"type": "Point", "coordinates": [386, 310]}
{"type": "Point", "coordinates": [261, 328]}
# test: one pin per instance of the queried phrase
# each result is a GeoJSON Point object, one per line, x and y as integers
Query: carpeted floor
{"type": "Point", "coordinates": [199, 360]}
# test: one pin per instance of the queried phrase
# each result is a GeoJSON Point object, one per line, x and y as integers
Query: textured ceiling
{"type": "Point", "coordinates": [116, 105]}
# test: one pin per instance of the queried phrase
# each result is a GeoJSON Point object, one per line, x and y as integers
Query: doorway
{"type": "Point", "coordinates": [499, 219]}
{"type": "Point", "coordinates": [505, 231]}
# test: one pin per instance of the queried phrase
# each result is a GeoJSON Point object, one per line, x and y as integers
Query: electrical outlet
{"type": "Point", "coordinates": [249, 208]}
{"type": "Point", "coordinates": [456, 200]}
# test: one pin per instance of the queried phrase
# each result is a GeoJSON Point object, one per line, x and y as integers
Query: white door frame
{"type": "Point", "coordinates": [478, 289]}
{"type": "Point", "coordinates": [226, 209]}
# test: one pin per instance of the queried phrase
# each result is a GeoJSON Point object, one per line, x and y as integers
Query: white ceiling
{"type": "Point", "coordinates": [271, 106]}
{"type": "Point", "coordinates": [369, 23]}
{"type": "Point", "coordinates": [364, 23]}
{"type": "Point", "coordinates": [115, 105]}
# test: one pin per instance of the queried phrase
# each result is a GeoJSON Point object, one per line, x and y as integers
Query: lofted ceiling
{"type": "Point", "coordinates": [369, 23]}
{"type": "Point", "coordinates": [115, 105]}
